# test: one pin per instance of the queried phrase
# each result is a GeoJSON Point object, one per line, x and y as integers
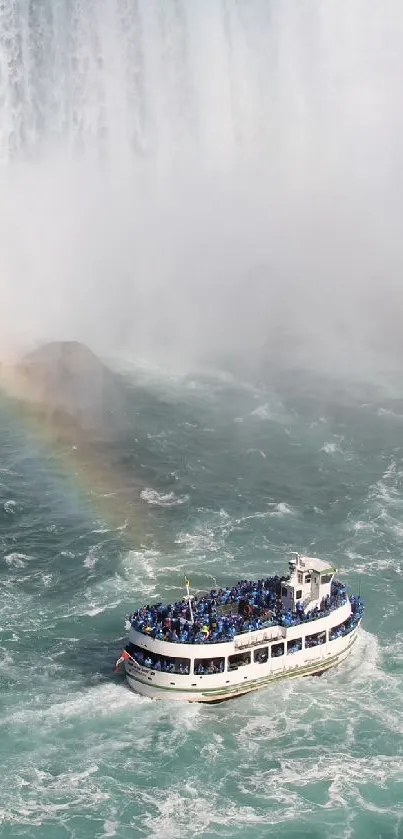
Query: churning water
{"type": "Point", "coordinates": [233, 477]}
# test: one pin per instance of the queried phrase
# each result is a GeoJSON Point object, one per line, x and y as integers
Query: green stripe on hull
{"type": "Point", "coordinates": [238, 689]}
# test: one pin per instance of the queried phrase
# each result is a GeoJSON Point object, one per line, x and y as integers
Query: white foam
{"type": "Point", "coordinates": [330, 448]}
{"type": "Point", "coordinates": [99, 701]}
{"type": "Point", "coordinates": [91, 559]}
{"type": "Point", "coordinates": [374, 566]}
{"type": "Point", "coordinates": [98, 610]}
{"type": "Point", "coordinates": [180, 806]}
{"type": "Point", "coordinates": [36, 796]}
{"type": "Point", "coordinates": [17, 560]}
{"type": "Point", "coordinates": [282, 509]}
{"type": "Point", "coordinates": [342, 772]}
{"type": "Point", "coordinates": [198, 543]}
{"type": "Point", "coordinates": [213, 749]}
{"type": "Point", "coordinates": [252, 516]}
{"type": "Point", "coordinates": [257, 451]}
{"type": "Point", "coordinates": [387, 412]}
{"type": "Point", "coordinates": [263, 412]}
{"type": "Point", "coordinates": [11, 506]}
{"type": "Point", "coordinates": [160, 499]}
{"type": "Point", "coordinates": [364, 525]}
{"type": "Point", "coordinates": [142, 562]}
{"type": "Point", "coordinates": [6, 659]}
{"type": "Point", "coordinates": [110, 828]}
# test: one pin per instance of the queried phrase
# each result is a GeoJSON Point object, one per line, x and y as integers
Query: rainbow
{"type": "Point", "coordinates": [92, 474]}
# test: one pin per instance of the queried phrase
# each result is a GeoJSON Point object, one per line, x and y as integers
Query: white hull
{"type": "Point", "coordinates": [221, 686]}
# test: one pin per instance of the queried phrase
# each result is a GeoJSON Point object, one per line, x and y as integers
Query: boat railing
{"type": "Point", "coordinates": [270, 620]}
{"type": "Point", "coordinates": [244, 640]}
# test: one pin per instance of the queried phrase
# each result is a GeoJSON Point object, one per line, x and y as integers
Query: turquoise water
{"type": "Point", "coordinates": [233, 475]}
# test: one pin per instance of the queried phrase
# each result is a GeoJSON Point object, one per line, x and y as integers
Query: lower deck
{"type": "Point", "coordinates": [210, 664]}
{"type": "Point", "coordinates": [218, 688]}
{"type": "Point", "coordinates": [248, 674]}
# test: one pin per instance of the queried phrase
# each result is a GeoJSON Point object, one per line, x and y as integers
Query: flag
{"type": "Point", "coordinates": [124, 657]}
{"type": "Point", "coordinates": [187, 583]}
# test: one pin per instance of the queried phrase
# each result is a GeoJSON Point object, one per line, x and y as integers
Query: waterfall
{"type": "Point", "coordinates": [156, 154]}
{"type": "Point", "coordinates": [162, 78]}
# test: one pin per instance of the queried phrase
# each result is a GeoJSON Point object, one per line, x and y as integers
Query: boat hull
{"type": "Point", "coordinates": [296, 666]}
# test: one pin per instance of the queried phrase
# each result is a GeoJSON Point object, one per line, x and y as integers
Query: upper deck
{"type": "Point", "coordinates": [307, 594]}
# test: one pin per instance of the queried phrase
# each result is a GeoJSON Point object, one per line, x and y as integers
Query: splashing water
{"type": "Point", "coordinates": [316, 757]}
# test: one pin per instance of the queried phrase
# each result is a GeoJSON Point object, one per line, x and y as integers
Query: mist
{"type": "Point", "coordinates": [195, 181]}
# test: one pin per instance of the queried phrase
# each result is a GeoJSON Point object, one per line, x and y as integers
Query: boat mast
{"type": "Point", "coordinates": [188, 599]}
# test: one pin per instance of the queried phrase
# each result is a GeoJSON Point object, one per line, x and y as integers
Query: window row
{"type": "Point", "coordinates": [218, 664]}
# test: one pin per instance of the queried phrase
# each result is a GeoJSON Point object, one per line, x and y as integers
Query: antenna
{"type": "Point", "coordinates": [188, 599]}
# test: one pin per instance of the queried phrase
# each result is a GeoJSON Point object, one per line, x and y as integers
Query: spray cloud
{"type": "Point", "coordinates": [186, 177]}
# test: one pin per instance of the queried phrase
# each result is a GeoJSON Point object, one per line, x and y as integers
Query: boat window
{"type": "Point", "coordinates": [307, 578]}
{"type": "Point", "coordinates": [284, 592]}
{"type": "Point", "coordinates": [208, 666]}
{"type": "Point", "coordinates": [238, 660]}
{"type": "Point", "coordinates": [300, 577]}
{"type": "Point", "coordinates": [298, 594]}
{"type": "Point", "coordinates": [165, 664]}
{"type": "Point", "coordinates": [294, 646]}
{"type": "Point", "coordinates": [336, 631]}
{"type": "Point", "coordinates": [261, 655]}
{"type": "Point", "coordinates": [326, 578]}
{"type": "Point", "coordinates": [316, 639]}
{"type": "Point", "coordinates": [277, 649]}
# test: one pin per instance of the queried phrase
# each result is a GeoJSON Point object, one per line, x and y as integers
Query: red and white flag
{"type": "Point", "coordinates": [124, 657]}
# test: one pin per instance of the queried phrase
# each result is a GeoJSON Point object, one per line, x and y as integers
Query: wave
{"type": "Point", "coordinates": [331, 448]}
{"type": "Point", "coordinates": [11, 507]}
{"type": "Point", "coordinates": [102, 529]}
{"type": "Point", "coordinates": [257, 451]}
{"type": "Point", "coordinates": [387, 412]}
{"type": "Point", "coordinates": [281, 509]}
{"type": "Point", "coordinates": [142, 565]}
{"type": "Point", "coordinates": [273, 409]}
{"type": "Point", "coordinates": [17, 560]}
{"type": "Point", "coordinates": [90, 560]}
{"type": "Point", "coordinates": [160, 499]}
{"type": "Point", "coordinates": [263, 412]}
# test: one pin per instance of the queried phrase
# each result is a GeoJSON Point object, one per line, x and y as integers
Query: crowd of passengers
{"type": "Point", "coordinates": [357, 611]}
{"type": "Point", "coordinates": [155, 662]}
{"type": "Point", "coordinates": [225, 612]}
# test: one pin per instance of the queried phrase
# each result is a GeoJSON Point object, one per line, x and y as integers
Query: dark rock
{"type": "Point", "coordinates": [72, 388]}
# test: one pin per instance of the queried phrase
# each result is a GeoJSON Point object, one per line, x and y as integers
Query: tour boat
{"type": "Point", "coordinates": [213, 646]}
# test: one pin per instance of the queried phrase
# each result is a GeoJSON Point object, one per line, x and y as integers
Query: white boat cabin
{"type": "Point", "coordinates": [309, 582]}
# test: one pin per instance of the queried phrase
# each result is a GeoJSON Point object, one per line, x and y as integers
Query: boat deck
{"type": "Point", "coordinates": [223, 613]}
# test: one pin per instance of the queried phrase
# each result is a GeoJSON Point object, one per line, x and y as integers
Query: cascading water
{"type": "Point", "coordinates": [155, 153]}
{"type": "Point", "coordinates": [122, 77]}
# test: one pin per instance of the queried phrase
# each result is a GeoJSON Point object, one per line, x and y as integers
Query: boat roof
{"type": "Point", "coordinates": [312, 563]}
